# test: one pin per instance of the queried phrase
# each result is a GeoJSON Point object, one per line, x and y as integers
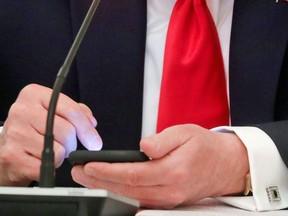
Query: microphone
{"type": "Point", "coordinates": [47, 178]}
{"type": "Point", "coordinates": [48, 200]}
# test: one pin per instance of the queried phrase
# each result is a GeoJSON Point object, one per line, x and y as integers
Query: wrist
{"type": "Point", "coordinates": [235, 166]}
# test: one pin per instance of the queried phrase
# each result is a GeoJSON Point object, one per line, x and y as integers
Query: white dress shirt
{"type": "Point", "coordinates": [266, 166]}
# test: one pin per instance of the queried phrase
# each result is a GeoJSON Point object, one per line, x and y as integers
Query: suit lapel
{"type": "Point", "coordinates": [258, 42]}
{"type": "Point", "coordinates": [111, 62]}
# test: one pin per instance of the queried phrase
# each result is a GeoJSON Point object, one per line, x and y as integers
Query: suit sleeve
{"type": "Point", "coordinates": [278, 132]}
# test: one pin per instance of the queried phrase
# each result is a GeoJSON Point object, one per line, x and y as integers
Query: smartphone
{"type": "Point", "coordinates": [111, 156]}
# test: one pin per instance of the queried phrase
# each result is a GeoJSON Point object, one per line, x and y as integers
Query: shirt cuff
{"type": "Point", "coordinates": [269, 175]}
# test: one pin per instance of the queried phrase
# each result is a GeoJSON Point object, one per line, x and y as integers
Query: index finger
{"type": "Point", "coordinates": [133, 174]}
{"type": "Point", "coordinates": [85, 129]}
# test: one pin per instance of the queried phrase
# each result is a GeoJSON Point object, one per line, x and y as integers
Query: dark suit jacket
{"type": "Point", "coordinates": [107, 75]}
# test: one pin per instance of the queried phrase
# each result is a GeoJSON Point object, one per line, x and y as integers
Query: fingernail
{"type": "Point", "coordinates": [93, 121]}
{"type": "Point", "coordinates": [94, 144]}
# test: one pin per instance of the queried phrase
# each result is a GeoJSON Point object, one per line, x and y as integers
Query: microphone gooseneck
{"type": "Point", "coordinates": [47, 172]}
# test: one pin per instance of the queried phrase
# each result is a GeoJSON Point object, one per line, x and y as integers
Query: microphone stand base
{"type": "Point", "coordinates": [22, 201]}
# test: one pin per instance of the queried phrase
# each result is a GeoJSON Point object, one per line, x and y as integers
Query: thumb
{"type": "Point", "coordinates": [158, 145]}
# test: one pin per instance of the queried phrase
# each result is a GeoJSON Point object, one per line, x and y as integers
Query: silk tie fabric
{"type": "Point", "coordinates": [193, 88]}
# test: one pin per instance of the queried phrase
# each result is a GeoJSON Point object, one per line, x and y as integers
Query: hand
{"type": "Point", "coordinates": [188, 163]}
{"type": "Point", "coordinates": [22, 137]}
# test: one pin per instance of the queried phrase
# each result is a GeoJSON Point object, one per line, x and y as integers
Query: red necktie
{"type": "Point", "coordinates": [193, 88]}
